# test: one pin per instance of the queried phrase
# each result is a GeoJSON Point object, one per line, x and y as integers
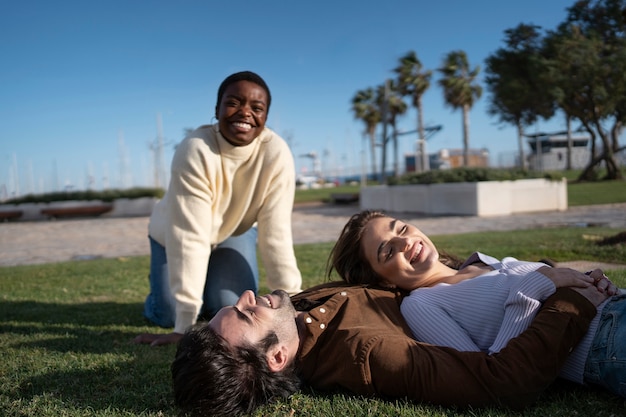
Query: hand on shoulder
{"type": "Point", "coordinates": [566, 277]}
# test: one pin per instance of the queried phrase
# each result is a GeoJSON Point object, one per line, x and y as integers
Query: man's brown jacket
{"type": "Point", "coordinates": [357, 340]}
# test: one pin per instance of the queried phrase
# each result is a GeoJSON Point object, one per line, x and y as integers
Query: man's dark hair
{"type": "Point", "coordinates": [243, 76]}
{"type": "Point", "coordinates": [212, 378]}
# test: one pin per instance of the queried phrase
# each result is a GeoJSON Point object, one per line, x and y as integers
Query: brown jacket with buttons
{"type": "Point", "coordinates": [357, 340]}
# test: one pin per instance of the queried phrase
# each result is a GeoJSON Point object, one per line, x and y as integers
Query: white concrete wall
{"type": "Point", "coordinates": [30, 211]}
{"type": "Point", "coordinates": [454, 198]}
{"type": "Point", "coordinates": [132, 207]}
{"type": "Point", "coordinates": [547, 196]}
{"type": "Point", "coordinates": [489, 198]}
{"type": "Point", "coordinates": [122, 207]}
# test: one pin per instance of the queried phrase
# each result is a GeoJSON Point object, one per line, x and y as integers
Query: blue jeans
{"type": "Point", "coordinates": [232, 269]}
{"type": "Point", "coordinates": [606, 363]}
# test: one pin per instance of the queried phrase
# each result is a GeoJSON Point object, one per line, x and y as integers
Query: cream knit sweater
{"type": "Point", "coordinates": [216, 191]}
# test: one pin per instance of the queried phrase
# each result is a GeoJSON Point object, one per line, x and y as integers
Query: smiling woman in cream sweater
{"type": "Point", "coordinates": [232, 186]}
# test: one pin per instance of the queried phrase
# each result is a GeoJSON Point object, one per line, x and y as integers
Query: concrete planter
{"type": "Point", "coordinates": [132, 207]}
{"type": "Point", "coordinates": [30, 211]}
{"type": "Point", "coordinates": [487, 198]}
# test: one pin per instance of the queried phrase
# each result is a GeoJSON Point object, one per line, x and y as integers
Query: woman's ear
{"type": "Point", "coordinates": [277, 357]}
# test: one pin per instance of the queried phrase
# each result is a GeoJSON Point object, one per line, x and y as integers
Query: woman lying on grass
{"type": "Point", "coordinates": [481, 303]}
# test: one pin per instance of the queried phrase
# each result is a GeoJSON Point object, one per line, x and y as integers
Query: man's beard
{"type": "Point", "coordinates": [285, 320]}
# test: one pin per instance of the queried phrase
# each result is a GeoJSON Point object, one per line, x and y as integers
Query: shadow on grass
{"type": "Point", "coordinates": [84, 314]}
{"type": "Point", "coordinates": [134, 385]}
{"type": "Point", "coordinates": [82, 357]}
{"type": "Point", "coordinates": [81, 328]}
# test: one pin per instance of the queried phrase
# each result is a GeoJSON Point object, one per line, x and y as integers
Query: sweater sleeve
{"type": "Point", "coordinates": [188, 239]}
{"type": "Point", "coordinates": [514, 377]}
{"type": "Point", "coordinates": [525, 296]}
{"type": "Point", "coordinates": [274, 225]}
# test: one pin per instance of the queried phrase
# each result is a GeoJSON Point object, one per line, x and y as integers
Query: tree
{"type": "Point", "coordinates": [588, 67]}
{"type": "Point", "coordinates": [460, 90]}
{"type": "Point", "coordinates": [366, 108]}
{"type": "Point", "coordinates": [413, 82]}
{"type": "Point", "coordinates": [516, 82]}
{"type": "Point", "coordinates": [391, 104]}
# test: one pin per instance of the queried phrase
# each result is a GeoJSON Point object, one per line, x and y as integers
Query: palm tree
{"type": "Point", "coordinates": [413, 82]}
{"type": "Point", "coordinates": [390, 101]}
{"type": "Point", "coordinates": [460, 90]}
{"type": "Point", "coordinates": [365, 108]}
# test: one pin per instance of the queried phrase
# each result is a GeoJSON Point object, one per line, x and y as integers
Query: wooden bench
{"type": "Point", "coordinates": [5, 216]}
{"type": "Point", "coordinates": [77, 211]}
{"type": "Point", "coordinates": [344, 198]}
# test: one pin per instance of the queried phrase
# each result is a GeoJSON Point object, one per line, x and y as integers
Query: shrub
{"type": "Point", "coordinates": [105, 195]}
{"type": "Point", "coordinates": [469, 175]}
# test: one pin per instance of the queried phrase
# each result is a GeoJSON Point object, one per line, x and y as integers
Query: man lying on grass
{"type": "Point", "coordinates": [341, 336]}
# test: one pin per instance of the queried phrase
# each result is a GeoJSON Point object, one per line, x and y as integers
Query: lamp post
{"type": "Point", "coordinates": [420, 146]}
{"type": "Point", "coordinates": [421, 150]}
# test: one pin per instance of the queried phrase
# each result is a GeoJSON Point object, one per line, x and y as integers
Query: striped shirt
{"type": "Point", "coordinates": [485, 312]}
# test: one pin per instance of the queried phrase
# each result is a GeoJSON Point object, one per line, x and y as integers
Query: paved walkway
{"type": "Point", "coordinates": [62, 240]}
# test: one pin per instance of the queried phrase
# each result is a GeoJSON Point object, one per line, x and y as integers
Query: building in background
{"type": "Point", "coordinates": [450, 158]}
{"type": "Point", "coordinates": [549, 151]}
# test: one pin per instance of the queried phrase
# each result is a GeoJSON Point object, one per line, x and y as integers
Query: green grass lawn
{"type": "Point", "coordinates": [601, 192]}
{"type": "Point", "coordinates": [66, 331]}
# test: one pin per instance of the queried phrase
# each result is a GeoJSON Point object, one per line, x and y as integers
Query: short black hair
{"type": "Point", "coordinates": [243, 76]}
{"type": "Point", "coordinates": [212, 378]}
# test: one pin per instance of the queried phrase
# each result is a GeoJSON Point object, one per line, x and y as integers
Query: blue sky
{"type": "Point", "coordinates": [84, 82]}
